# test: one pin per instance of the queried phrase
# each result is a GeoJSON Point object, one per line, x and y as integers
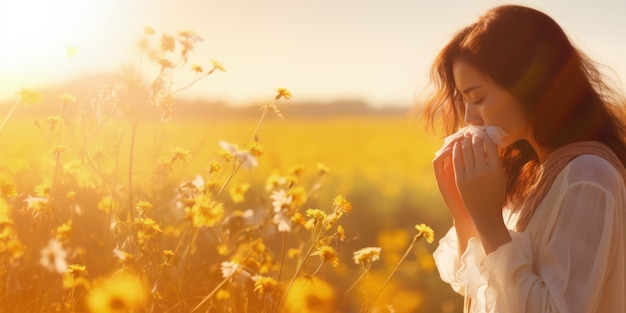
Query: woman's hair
{"type": "Point", "coordinates": [526, 52]}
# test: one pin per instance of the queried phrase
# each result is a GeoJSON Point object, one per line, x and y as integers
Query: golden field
{"type": "Point", "coordinates": [111, 201]}
{"type": "Point", "coordinates": [381, 165]}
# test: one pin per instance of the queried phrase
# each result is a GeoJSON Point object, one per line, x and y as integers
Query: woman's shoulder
{"type": "Point", "coordinates": [594, 169]}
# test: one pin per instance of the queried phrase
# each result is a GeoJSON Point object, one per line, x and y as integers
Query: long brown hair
{"type": "Point", "coordinates": [565, 96]}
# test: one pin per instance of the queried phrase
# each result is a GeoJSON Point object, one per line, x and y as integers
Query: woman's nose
{"type": "Point", "coordinates": [472, 116]}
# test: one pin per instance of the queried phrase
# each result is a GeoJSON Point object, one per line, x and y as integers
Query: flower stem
{"type": "Point", "coordinates": [6, 118]}
{"type": "Point", "coordinates": [395, 269]}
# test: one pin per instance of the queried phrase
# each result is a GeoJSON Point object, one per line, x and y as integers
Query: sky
{"type": "Point", "coordinates": [378, 51]}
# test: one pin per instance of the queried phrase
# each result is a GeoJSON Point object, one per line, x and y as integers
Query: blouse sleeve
{"type": "Point", "coordinates": [572, 266]}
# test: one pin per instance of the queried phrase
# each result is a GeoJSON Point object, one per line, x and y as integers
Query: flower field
{"type": "Point", "coordinates": [112, 204]}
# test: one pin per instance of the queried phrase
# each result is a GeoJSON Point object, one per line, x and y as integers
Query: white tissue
{"type": "Point", "coordinates": [495, 133]}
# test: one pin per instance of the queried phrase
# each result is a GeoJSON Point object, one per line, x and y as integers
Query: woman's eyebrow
{"type": "Point", "coordinates": [468, 89]}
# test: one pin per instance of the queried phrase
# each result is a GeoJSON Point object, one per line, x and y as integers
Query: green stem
{"type": "Point", "coordinates": [6, 118]}
{"type": "Point", "coordinates": [395, 269]}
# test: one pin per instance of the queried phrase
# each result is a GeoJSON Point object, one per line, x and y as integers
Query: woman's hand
{"type": "Point", "coordinates": [481, 185]}
{"type": "Point", "coordinates": [446, 182]}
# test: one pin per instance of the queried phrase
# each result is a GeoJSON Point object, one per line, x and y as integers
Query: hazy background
{"type": "Point", "coordinates": [374, 51]}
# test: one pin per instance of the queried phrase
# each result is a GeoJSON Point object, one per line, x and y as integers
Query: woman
{"type": "Point", "coordinates": [538, 217]}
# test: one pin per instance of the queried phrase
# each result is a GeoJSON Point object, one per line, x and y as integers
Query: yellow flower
{"type": "Point", "coordinates": [214, 167]}
{"type": "Point", "coordinates": [283, 93]}
{"type": "Point", "coordinates": [328, 254]}
{"type": "Point", "coordinates": [71, 51]}
{"type": "Point", "coordinates": [42, 190]}
{"type": "Point", "coordinates": [292, 253]}
{"type": "Point", "coordinates": [64, 232]}
{"type": "Point", "coordinates": [71, 195]}
{"type": "Point", "coordinates": [144, 207]}
{"type": "Point", "coordinates": [255, 149]}
{"type": "Point", "coordinates": [58, 149]}
{"type": "Point", "coordinates": [298, 196]}
{"type": "Point", "coordinates": [237, 193]}
{"type": "Point", "coordinates": [316, 214]}
{"type": "Point", "coordinates": [218, 66]}
{"type": "Point", "coordinates": [341, 205]}
{"type": "Point", "coordinates": [266, 286]}
{"type": "Point", "coordinates": [75, 277]}
{"type": "Point", "coordinates": [366, 255]}
{"type": "Point", "coordinates": [426, 232]}
{"type": "Point", "coordinates": [108, 204]}
{"type": "Point", "coordinates": [147, 30]}
{"type": "Point", "coordinates": [119, 293]}
{"type": "Point", "coordinates": [53, 122]}
{"type": "Point", "coordinates": [196, 68]}
{"type": "Point", "coordinates": [341, 234]}
{"type": "Point", "coordinates": [8, 189]}
{"type": "Point", "coordinates": [323, 169]}
{"type": "Point", "coordinates": [180, 154]}
{"type": "Point", "coordinates": [167, 42]}
{"type": "Point", "coordinates": [206, 212]}
{"type": "Point", "coordinates": [67, 98]}
{"type": "Point", "coordinates": [30, 96]}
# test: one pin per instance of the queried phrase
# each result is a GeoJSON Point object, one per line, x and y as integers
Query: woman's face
{"type": "Point", "coordinates": [489, 104]}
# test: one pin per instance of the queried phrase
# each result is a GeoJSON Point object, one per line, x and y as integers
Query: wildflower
{"type": "Point", "coordinates": [206, 212]}
{"type": "Point", "coordinates": [180, 154]}
{"type": "Point", "coordinates": [36, 204]}
{"type": "Point", "coordinates": [64, 232]}
{"type": "Point", "coordinates": [147, 30]}
{"type": "Point", "coordinates": [8, 189]}
{"type": "Point", "coordinates": [71, 195]}
{"type": "Point", "coordinates": [238, 192]}
{"type": "Point", "coordinates": [108, 204]}
{"type": "Point", "coordinates": [218, 66]}
{"type": "Point", "coordinates": [53, 122]}
{"type": "Point", "coordinates": [282, 222]}
{"type": "Point", "coordinates": [292, 253]}
{"type": "Point", "coordinates": [426, 232]}
{"type": "Point", "coordinates": [119, 293]}
{"type": "Point", "coordinates": [317, 214]}
{"type": "Point", "coordinates": [42, 190]}
{"type": "Point", "coordinates": [246, 159]}
{"type": "Point", "coordinates": [298, 196]}
{"type": "Point", "coordinates": [58, 149]}
{"type": "Point", "coordinates": [165, 63]}
{"type": "Point", "coordinates": [67, 98]}
{"type": "Point", "coordinates": [274, 180]}
{"type": "Point", "coordinates": [214, 167]}
{"type": "Point", "coordinates": [366, 255]}
{"type": "Point", "coordinates": [328, 254]}
{"type": "Point", "coordinates": [280, 200]}
{"type": "Point", "coordinates": [296, 170]}
{"type": "Point", "coordinates": [266, 286]}
{"type": "Point", "coordinates": [323, 169]}
{"type": "Point", "coordinates": [144, 207]}
{"type": "Point", "coordinates": [229, 268]}
{"type": "Point", "coordinates": [283, 93]}
{"type": "Point", "coordinates": [197, 68]}
{"type": "Point", "coordinates": [255, 149]}
{"type": "Point", "coordinates": [70, 51]}
{"type": "Point", "coordinates": [341, 234]}
{"type": "Point", "coordinates": [75, 277]}
{"type": "Point", "coordinates": [167, 42]}
{"type": "Point", "coordinates": [30, 96]}
{"type": "Point", "coordinates": [341, 205]}
{"type": "Point", "coordinates": [53, 257]}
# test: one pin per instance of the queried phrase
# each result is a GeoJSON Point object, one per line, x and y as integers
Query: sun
{"type": "Point", "coordinates": [35, 34]}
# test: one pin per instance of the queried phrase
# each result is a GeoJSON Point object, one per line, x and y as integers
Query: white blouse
{"type": "Point", "coordinates": [570, 258]}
